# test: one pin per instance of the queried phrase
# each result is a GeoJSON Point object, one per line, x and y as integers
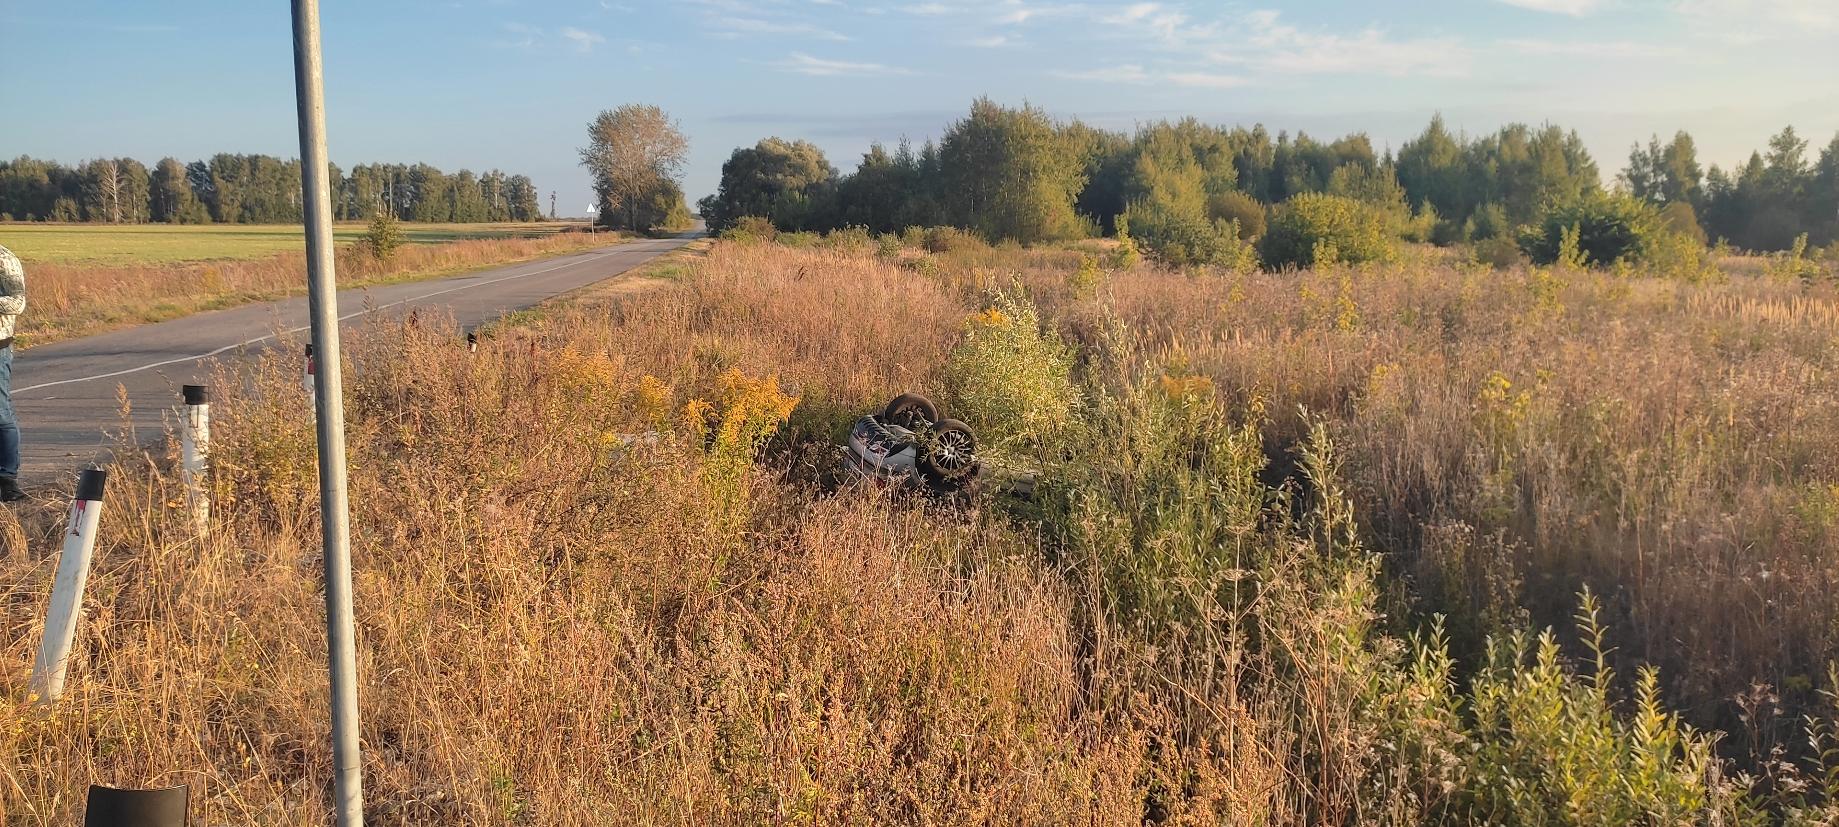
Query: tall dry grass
{"type": "Point", "coordinates": [561, 624]}
{"type": "Point", "coordinates": [72, 300]}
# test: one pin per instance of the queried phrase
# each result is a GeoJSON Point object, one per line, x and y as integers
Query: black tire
{"type": "Point", "coordinates": [911, 411]}
{"type": "Point", "coordinates": [948, 456]}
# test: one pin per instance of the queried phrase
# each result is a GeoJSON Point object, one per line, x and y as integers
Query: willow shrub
{"type": "Point", "coordinates": [1316, 228]}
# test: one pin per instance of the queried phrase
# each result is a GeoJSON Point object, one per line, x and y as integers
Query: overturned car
{"type": "Point", "coordinates": [908, 442]}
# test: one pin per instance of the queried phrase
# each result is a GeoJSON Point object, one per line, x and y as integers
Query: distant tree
{"type": "Point", "coordinates": [1107, 158]}
{"type": "Point", "coordinates": [1823, 196]}
{"type": "Point", "coordinates": [172, 200]}
{"type": "Point", "coordinates": [1665, 174]}
{"type": "Point", "coordinates": [877, 196]}
{"type": "Point", "coordinates": [630, 151]}
{"type": "Point", "coordinates": [522, 195]}
{"type": "Point", "coordinates": [29, 188]}
{"type": "Point", "coordinates": [782, 181]}
{"type": "Point", "coordinates": [1010, 174]}
{"type": "Point", "coordinates": [1433, 168]}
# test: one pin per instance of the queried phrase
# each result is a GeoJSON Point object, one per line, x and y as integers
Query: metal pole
{"type": "Point", "coordinates": [195, 453]}
{"type": "Point", "coordinates": [67, 588]}
{"type": "Point", "coordinates": [322, 299]}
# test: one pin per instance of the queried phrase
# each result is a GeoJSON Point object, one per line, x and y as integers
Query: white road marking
{"type": "Point", "coordinates": [346, 317]}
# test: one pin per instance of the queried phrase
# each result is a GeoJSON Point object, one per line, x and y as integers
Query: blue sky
{"type": "Point", "coordinates": [512, 83]}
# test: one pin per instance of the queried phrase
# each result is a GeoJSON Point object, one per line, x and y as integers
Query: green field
{"type": "Point", "coordinates": [128, 244]}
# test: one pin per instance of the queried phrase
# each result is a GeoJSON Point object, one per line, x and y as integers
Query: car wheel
{"type": "Point", "coordinates": [948, 455]}
{"type": "Point", "coordinates": [911, 411]}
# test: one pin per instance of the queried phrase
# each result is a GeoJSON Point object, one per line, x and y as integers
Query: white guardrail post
{"type": "Point", "coordinates": [67, 588]}
{"type": "Point", "coordinates": [195, 453]}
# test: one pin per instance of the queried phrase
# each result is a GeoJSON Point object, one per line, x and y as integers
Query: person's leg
{"type": "Point", "coordinates": [9, 427]}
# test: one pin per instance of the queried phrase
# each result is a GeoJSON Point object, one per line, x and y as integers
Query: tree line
{"type": "Point", "coordinates": [1016, 173]}
{"type": "Point", "coordinates": [252, 189]}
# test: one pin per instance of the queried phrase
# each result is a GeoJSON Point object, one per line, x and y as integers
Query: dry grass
{"type": "Point", "coordinates": [72, 300]}
{"type": "Point", "coordinates": [119, 245]}
{"type": "Point", "coordinates": [560, 627]}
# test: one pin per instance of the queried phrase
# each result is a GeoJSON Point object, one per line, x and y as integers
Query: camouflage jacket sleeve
{"type": "Point", "coordinates": [12, 284]}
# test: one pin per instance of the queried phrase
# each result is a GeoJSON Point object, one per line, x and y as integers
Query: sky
{"type": "Point", "coordinates": [512, 84]}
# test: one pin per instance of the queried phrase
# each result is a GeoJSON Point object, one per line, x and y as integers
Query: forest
{"type": "Point", "coordinates": [1018, 174]}
{"type": "Point", "coordinates": [252, 189]}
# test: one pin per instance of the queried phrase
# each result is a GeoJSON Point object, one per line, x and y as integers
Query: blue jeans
{"type": "Point", "coordinates": [9, 424]}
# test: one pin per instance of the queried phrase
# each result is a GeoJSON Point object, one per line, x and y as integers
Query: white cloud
{"type": "Point", "coordinates": [1203, 80]}
{"type": "Point", "coordinates": [1125, 73]}
{"type": "Point", "coordinates": [1273, 45]}
{"type": "Point", "coordinates": [996, 41]}
{"type": "Point", "coordinates": [805, 64]}
{"type": "Point", "coordinates": [1761, 19]}
{"type": "Point", "coordinates": [736, 26]}
{"type": "Point", "coordinates": [583, 40]}
{"type": "Point", "coordinates": [1574, 8]}
{"type": "Point", "coordinates": [1591, 48]}
{"type": "Point", "coordinates": [1016, 12]}
{"type": "Point", "coordinates": [522, 35]}
{"type": "Point", "coordinates": [927, 9]}
{"type": "Point", "coordinates": [1157, 19]}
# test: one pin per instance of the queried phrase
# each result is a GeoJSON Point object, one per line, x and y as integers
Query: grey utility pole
{"type": "Point", "coordinates": [329, 396]}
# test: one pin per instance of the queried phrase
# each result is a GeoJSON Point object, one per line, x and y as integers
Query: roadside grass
{"type": "Point", "coordinates": [118, 245]}
{"type": "Point", "coordinates": [71, 300]}
{"type": "Point", "coordinates": [1209, 614]}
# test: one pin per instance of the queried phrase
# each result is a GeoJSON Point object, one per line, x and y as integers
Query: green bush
{"type": "Point", "coordinates": [1684, 257]}
{"type": "Point", "coordinates": [1125, 255]}
{"type": "Point", "coordinates": [1499, 253]}
{"type": "Point", "coordinates": [854, 238]}
{"type": "Point", "coordinates": [1181, 241]}
{"type": "Point", "coordinates": [1008, 378]}
{"type": "Point", "coordinates": [1311, 227]}
{"type": "Point", "coordinates": [384, 236]}
{"type": "Point", "coordinates": [1609, 227]}
{"type": "Point", "coordinates": [1488, 221]}
{"type": "Point", "coordinates": [951, 240]}
{"type": "Point", "coordinates": [751, 229]}
{"type": "Point", "coordinates": [1681, 218]}
{"type": "Point", "coordinates": [887, 246]}
{"type": "Point", "coordinates": [1233, 205]}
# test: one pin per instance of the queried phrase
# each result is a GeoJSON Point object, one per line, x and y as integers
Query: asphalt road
{"type": "Point", "coordinates": [65, 393]}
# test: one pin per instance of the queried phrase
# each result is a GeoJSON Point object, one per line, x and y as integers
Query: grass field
{"type": "Point", "coordinates": [1297, 538]}
{"type": "Point", "coordinates": [129, 244]}
{"type": "Point", "coordinates": [84, 279]}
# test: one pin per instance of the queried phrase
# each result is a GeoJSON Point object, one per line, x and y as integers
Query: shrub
{"type": "Point", "coordinates": [801, 239]}
{"type": "Point", "coordinates": [1181, 241]}
{"type": "Point", "coordinates": [1310, 227]}
{"type": "Point", "coordinates": [751, 229]}
{"type": "Point", "coordinates": [1499, 253]}
{"type": "Point", "coordinates": [1084, 281]}
{"type": "Point", "coordinates": [1234, 205]}
{"type": "Point", "coordinates": [887, 246]}
{"type": "Point", "coordinates": [1125, 255]}
{"type": "Point", "coordinates": [1609, 227]}
{"type": "Point", "coordinates": [951, 240]}
{"type": "Point", "coordinates": [1009, 379]}
{"type": "Point", "coordinates": [384, 236]}
{"type": "Point", "coordinates": [1488, 221]}
{"type": "Point", "coordinates": [1683, 257]}
{"type": "Point", "coordinates": [1793, 264]}
{"type": "Point", "coordinates": [850, 238]}
{"type": "Point", "coordinates": [1679, 217]}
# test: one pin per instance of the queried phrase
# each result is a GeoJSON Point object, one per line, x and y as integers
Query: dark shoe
{"type": "Point", "coordinates": [10, 492]}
